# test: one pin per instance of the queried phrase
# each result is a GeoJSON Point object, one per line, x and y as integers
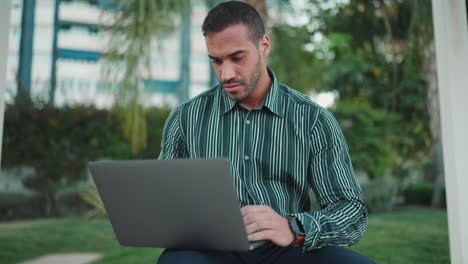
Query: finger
{"type": "Point", "coordinates": [262, 218]}
{"type": "Point", "coordinates": [248, 219]}
{"type": "Point", "coordinates": [249, 209]}
{"type": "Point", "coordinates": [262, 235]}
{"type": "Point", "coordinates": [255, 227]}
{"type": "Point", "coordinates": [259, 226]}
{"type": "Point", "coordinates": [252, 228]}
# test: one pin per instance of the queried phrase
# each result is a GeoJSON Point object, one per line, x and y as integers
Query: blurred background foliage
{"type": "Point", "coordinates": [128, 58]}
{"type": "Point", "coordinates": [376, 56]}
{"type": "Point", "coordinates": [364, 51]}
{"type": "Point", "coordinates": [57, 143]}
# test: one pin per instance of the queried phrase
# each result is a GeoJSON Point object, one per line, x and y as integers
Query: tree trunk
{"type": "Point", "coordinates": [50, 205]}
{"type": "Point", "coordinates": [439, 181]}
{"type": "Point", "coordinates": [436, 134]}
{"type": "Point", "coordinates": [184, 79]}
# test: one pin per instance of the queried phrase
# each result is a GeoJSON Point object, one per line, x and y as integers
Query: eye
{"type": "Point", "coordinates": [236, 59]}
{"type": "Point", "coordinates": [216, 61]}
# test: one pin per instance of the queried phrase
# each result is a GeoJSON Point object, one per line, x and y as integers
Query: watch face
{"type": "Point", "coordinates": [296, 226]}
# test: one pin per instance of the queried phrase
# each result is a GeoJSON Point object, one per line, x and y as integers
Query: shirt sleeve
{"type": "Point", "coordinates": [173, 144]}
{"type": "Point", "coordinates": [342, 219]}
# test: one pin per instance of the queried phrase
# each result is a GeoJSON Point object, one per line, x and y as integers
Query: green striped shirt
{"type": "Point", "coordinates": [278, 153]}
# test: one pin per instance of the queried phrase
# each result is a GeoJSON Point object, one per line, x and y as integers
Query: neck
{"type": "Point", "coordinates": [256, 98]}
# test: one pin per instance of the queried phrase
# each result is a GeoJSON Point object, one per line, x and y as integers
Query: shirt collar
{"type": "Point", "coordinates": [271, 100]}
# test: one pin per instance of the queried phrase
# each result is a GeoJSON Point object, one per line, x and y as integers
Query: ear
{"type": "Point", "coordinates": [264, 44]}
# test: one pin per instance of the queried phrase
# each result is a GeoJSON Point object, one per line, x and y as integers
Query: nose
{"type": "Point", "coordinates": [227, 73]}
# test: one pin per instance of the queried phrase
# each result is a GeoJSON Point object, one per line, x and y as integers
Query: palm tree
{"type": "Point", "coordinates": [128, 60]}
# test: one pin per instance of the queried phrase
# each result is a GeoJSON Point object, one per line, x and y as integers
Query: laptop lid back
{"type": "Point", "coordinates": [188, 204]}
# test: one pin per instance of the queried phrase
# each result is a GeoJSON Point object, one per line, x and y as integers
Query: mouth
{"type": "Point", "coordinates": [231, 88]}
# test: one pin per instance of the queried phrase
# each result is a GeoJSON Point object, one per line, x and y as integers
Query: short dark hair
{"type": "Point", "coordinates": [231, 13]}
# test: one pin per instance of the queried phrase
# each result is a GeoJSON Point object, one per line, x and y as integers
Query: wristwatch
{"type": "Point", "coordinates": [297, 229]}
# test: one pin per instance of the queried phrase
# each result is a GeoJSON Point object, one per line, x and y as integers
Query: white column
{"type": "Point", "coordinates": [5, 8]}
{"type": "Point", "coordinates": [451, 39]}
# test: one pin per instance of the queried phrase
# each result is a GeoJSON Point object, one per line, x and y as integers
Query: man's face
{"type": "Point", "coordinates": [237, 61]}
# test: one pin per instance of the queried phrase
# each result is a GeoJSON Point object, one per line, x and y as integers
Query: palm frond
{"type": "Point", "coordinates": [138, 23]}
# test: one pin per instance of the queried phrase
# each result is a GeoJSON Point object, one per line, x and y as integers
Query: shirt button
{"type": "Point", "coordinates": [246, 157]}
{"type": "Point", "coordinates": [247, 122]}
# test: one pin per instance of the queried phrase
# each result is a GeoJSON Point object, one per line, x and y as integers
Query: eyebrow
{"type": "Point", "coordinates": [229, 55]}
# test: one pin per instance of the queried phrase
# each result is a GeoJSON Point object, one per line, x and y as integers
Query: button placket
{"type": "Point", "coordinates": [247, 137]}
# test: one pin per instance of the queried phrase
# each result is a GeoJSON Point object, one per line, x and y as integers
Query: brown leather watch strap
{"type": "Point", "coordinates": [298, 238]}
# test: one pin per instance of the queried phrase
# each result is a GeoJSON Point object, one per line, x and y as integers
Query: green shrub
{"type": "Point", "coordinates": [419, 193]}
{"type": "Point", "coordinates": [69, 200]}
{"type": "Point", "coordinates": [381, 194]}
{"type": "Point", "coordinates": [19, 204]}
{"type": "Point", "coordinates": [58, 143]}
{"type": "Point", "coordinates": [368, 132]}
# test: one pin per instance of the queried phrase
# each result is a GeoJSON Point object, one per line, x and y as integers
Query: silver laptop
{"type": "Point", "coordinates": [188, 204]}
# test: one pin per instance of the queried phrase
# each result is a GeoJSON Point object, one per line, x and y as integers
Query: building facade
{"type": "Point", "coordinates": [81, 41]}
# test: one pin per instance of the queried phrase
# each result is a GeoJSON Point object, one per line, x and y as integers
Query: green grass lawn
{"type": "Point", "coordinates": [411, 235]}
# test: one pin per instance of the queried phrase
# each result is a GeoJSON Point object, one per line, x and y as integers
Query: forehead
{"type": "Point", "coordinates": [233, 38]}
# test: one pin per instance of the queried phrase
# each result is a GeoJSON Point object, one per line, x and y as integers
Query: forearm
{"type": "Point", "coordinates": [339, 224]}
{"type": "Point", "coordinates": [343, 218]}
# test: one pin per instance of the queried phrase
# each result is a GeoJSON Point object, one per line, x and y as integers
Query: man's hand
{"type": "Point", "coordinates": [263, 223]}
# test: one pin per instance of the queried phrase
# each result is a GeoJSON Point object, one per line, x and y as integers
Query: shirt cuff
{"type": "Point", "coordinates": [311, 227]}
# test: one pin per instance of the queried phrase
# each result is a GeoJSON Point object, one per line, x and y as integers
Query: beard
{"type": "Point", "coordinates": [249, 85]}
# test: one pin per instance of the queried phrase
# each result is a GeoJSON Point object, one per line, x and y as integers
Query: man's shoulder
{"type": "Point", "coordinates": [206, 97]}
{"type": "Point", "coordinates": [321, 118]}
{"type": "Point", "coordinates": [298, 98]}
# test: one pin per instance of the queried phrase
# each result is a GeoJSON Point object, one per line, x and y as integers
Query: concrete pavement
{"type": "Point", "coordinates": [68, 258]}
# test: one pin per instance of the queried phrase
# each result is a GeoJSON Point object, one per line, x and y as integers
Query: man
{"type": "Point", "coordinates": [280, 145]}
